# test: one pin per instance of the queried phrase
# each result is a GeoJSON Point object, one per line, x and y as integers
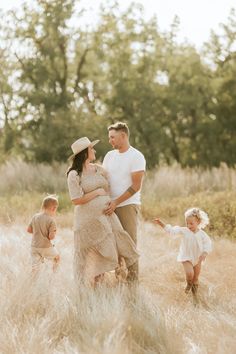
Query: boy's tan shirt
{"type": "Point", "coordinates": [42, 225]}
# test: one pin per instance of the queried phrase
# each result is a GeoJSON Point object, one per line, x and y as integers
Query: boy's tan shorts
{"type": "Point", "coordinates": [39, 254]}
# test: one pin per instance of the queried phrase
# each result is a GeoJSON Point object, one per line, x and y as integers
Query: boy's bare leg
{"type": "Point", "coordinates": [56, 261]}
{"type": "Point", "coordinates": [37, 261]}
{"type": "Point", "coordinates": [35, 270]}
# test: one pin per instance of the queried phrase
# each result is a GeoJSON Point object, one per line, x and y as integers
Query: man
{"type": "Point", "coordinates": [125, 166]}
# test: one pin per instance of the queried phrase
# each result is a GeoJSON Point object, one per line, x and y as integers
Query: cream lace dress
{"type": "Point", "coordinates": [99, 239]}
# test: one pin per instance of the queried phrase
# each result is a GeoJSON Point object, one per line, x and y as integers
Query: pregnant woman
{"type": "Point", "coordinates": [100, 241]}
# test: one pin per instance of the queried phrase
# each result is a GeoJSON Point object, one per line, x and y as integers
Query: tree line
{"type": "Point", "coordinates": [61, 80]}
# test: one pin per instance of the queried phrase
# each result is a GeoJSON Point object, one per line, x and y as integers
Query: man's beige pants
{"type": "Point", "coordinates": [128, 216]}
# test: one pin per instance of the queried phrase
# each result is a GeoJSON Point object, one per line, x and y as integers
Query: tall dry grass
{"type": "Point", "coordinates": [18, 176]}
{"type": "Point", "coordinates": [24, 185]}
{"type": "Point", "coordinates": [164, 183]}
{"type": "Point", "coordinates": [173, 182]}
{"type": "Point", "coordinates": [169, 191]}
{"type": "Point", "coordinates": [51, 315]}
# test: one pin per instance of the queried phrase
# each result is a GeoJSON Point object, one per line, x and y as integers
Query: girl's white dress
{"type": "Point", "coordinates": [192, 244]}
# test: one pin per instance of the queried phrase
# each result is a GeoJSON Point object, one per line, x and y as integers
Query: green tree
{"type": "Point", "coordinates": [54, 91]}
{"type": "Point", "coordinates": [186, 105]}
{"type": "Point", "coordinates": [129, 53]}
{"type": "Point", "coordinates": [8, 98]}
{"type": "Point", "coordinates": [222, 51]}
{"type": "Point", "coordinates": [159, 87]}
{"type": "Point", "coordinates": [62, 81]}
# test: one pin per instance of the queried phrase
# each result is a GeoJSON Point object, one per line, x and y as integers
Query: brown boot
{"type": "Point", "coordinates": [121, 270]}
{"type": "Point", "coordinates": [188, 287]}
{"type": "Point", "coordinates": [194, 289]}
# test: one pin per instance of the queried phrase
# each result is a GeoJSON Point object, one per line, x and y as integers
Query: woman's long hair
{"type": "Point", "coordinates": [78, 162]}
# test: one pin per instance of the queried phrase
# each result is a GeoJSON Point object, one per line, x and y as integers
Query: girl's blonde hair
{"type": "Point", "coordinates": [199, 214]}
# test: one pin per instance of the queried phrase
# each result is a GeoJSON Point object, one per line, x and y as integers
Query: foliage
{"type": "Point", "coordinates": [62, 80]}
{"type": "Point", "coordinates": [169, 191]}
{"type": "Point", "coordinates": [220, 206]}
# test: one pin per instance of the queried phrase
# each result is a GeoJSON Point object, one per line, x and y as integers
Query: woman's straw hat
{"type": "Point", "coordinates": [81, 144]}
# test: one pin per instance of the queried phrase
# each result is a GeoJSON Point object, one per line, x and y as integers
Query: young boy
{"type": "Point", "coordinates": [43, 228]}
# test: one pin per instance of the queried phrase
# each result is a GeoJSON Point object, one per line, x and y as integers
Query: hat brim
{"type": "Point", "coordinates": [92, 144]}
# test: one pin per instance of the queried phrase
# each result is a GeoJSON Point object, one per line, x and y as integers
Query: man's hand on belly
{"type": "Point", "coordinates": [111, 206]}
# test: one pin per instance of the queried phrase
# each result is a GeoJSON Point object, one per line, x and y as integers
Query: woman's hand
{"type": "Point", "coordinates": [87, 197]}
{"type": "Point", "coordinates": [101, 192]}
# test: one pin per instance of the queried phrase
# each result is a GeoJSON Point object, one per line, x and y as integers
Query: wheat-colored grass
{"type": "Point", "coordinates": [51, 315]}
{"type": "Point", "coordinates": [18, 176]}
{"type": "Point", "coordinates": [163, 182]}
{"type": "Point", "coordinates": [170, 182]}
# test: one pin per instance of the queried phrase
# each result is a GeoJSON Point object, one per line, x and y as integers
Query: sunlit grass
{"type": "Point", "coordinates": [51, 315]}
{"type": "Point", "coordinates": [18, 176]}
{"type": "Point", "coordinates": [167, 192]}
{"type": "Point", "coordinates": [173, 181]}
{"type": "Point", "coordinates": [165, 182]}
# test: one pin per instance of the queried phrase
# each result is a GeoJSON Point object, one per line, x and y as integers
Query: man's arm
{"type": "Point", "coordinates": [137, 178]}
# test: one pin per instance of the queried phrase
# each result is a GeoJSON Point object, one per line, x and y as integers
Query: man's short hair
{"type": "Point", "coordinates": [49, 201]}
{"type": "Point", "coordinates": [119, 126]}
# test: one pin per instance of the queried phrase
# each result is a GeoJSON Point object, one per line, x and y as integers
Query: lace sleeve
{"type": "Point", "coordinates": [74, 186]}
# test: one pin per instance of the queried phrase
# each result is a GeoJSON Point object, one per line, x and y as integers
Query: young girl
{"type": "Point", "coordinates": [195, 245]}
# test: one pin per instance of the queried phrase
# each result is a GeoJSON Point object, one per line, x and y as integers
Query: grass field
{"type": "Point", "coordinates": [51, 315]}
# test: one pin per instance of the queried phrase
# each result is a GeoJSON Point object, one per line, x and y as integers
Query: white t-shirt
{"type": "Point", "coordinates": [119, 167]}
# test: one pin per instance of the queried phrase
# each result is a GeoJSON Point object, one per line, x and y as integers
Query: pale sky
{"type": "Point", "coordinates": [197, 17]}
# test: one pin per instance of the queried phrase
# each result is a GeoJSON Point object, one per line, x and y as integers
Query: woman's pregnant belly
{"type": "Point", "coordinates": [91, 210]}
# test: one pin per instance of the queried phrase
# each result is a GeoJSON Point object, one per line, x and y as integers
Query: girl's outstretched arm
{"type": "Point", "coordinates": [172, 230]}
{"type": "Point", "coordinates": [159, 222]}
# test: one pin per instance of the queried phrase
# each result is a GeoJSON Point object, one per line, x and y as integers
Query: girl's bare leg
{"type": "Point", "coordinates": [189, 274]}
{"type": "Point", "coordinates": [197, 270]}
